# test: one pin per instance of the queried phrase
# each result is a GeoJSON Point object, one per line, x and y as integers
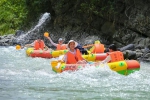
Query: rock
{"type": "Point", "coordinates": [128, 54]}
{"type": "Point", "coordinates": [90, 40]}
{"type": "Point", "coordinates": [6, 40]}
{"type": "Point", "coordinates": [147, 55]}
{"type": "Point", "coordinates": [147, 41]}
{"type": "Point", "coordinates": [145, 50]}
{"type": "Point", "coordinates": [19, 33]}
{"type": "Point", "coordinates": [128, 47]}
{"type": "Point", "coordinates": [138, 50]}
{"type": "Point", "coordinates": [127, 37]}
{"type": "Point", "coordinates": [108, 29]}
{"type": "Point", "coordinates": [139, 46]}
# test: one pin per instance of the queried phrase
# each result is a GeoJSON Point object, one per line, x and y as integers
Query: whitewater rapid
{"type": "Point", "coordinates": [24, 78]}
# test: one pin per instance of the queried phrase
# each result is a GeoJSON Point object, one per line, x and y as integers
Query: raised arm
{"type": "Point", "coordinates": [29, 45]}
{"type": "Point", "coordinates": [52, 41]}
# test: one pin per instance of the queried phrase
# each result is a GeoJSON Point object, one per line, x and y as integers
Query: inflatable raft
{"type": "Point", "coordinates": [122, 67]}
{"type": "Point", "coordinates": [56, 53]}
{"type": "Point", "coordinates": [95, 57]}
{"type": "Point", "coordinates": [44, 54]}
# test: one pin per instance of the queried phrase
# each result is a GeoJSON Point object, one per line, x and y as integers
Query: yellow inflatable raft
{"type": "Point", "coordinates": [122, 67]}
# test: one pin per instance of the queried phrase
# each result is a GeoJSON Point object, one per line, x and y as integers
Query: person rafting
{"type": "Point", "coordinates": [73, 56]}
{"type": "Point", "coordinates": [97, 47]}
{"type": "Point", "coordinates": [113, 55]}
{"type": "Point", "coordinates": [60, 45]}
{"type": "Point", "coordinates": [37, 45]}
{"type": "Point", "coordinates": [82, 50]}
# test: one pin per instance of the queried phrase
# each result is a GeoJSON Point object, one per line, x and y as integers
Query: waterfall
{"type": "Point", "coordinates": [42, 21]}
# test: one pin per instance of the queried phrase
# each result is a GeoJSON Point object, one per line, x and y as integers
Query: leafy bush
{"type": "Point", "coordinates": [13, 14]}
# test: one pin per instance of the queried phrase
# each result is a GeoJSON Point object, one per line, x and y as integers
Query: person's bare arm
{"type": "Point", "coordinates": [28, 45]}
{"type": "Point", "coordinates": [90, 45]}
{"type": "Point", "coordinates": [52, 41]}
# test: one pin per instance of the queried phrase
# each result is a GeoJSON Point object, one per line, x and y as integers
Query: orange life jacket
{"type": "Point", "coordinates": [116, 56]}
{"type": "Point", "coordinates": [98, 48]}
{"type": "Point", "coordinates": [39, 44]}
{"type": "Point", "coordinates": [73, 58]}
{"type": "Point", "coordinates": [61, 47]}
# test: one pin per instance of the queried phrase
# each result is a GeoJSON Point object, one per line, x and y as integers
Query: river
{"type": "Point", "coordinates": [26, 78]}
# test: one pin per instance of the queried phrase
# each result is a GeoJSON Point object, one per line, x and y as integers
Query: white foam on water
{"type": "Point", "coordinates": [31, 77]}
{"type": "Point", "coordinates": [40, 23]}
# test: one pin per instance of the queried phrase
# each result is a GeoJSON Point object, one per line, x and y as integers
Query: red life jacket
{"type": "Point", "coordinates": [39, 44]}
{"type": "Point", "coordinates": [98, 48]}
{"type": "Point", "coordinates": [116, 56]}
{"type": "Point", "coordinates": [61, 47]}
{"type": "Point", "coordinates": [74, 58]}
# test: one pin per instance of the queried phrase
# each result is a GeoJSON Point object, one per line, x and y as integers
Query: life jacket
{"type": "Point", "coordinates": [38, 45]}
{"type": "Point", "coordinates": [116, 56]}
{"type": "Point", "coordinates": [98, 48]}
{"type": "Point", "coordinates": [61, 47]}
{"type": "Point", "coordinates": [73, 58]}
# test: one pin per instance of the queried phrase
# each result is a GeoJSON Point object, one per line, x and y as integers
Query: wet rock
{"type": "Point", "coordinates": [128, 54]}
{"type": "Point", "coordinates": [108, 29]}
{"type": "Point", "coordinates": [139, 54]}
{"type": "Point", "coordinates": [19, 33]}
{"type": "Point", "coordinates": [139, 46]}
{"type": "Point", "coordinates": [128, 47]}
{"type": "Point", "coordinates": [6, 40]}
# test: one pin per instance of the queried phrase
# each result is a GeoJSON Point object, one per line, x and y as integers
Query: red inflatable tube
{"type": "Point", "coordinates": [43, 54]}
{"type": "Point", "coordinates": [101, 56]}
{"type": "Point", "coordinates": [132, 64]}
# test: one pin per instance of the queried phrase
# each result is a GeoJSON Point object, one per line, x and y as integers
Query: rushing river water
{"type": "Point", "coordinates": [26, 78]}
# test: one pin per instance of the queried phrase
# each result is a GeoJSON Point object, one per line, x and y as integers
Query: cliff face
{"type": "Point", "coordinates": [116, 21]}
{"type": "Point", "coordinates": [126, 22]}
{"type": "Point", "coordinates": [111, 21]}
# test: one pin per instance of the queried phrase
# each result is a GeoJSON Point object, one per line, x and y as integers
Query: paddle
{"type": "Point", "coordinates": [55, 63]}
{"type": "Point", "coordinates": [46, 34]}
{"type": "Point", "coordinates": [18, 47]}
{"type": "Point", "coordinates": [90, 45]}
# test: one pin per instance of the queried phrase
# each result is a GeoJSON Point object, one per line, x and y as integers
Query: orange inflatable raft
{"type": "Point", "coordinates": [51, 54]}
{"type": "Point", "coordinates": [44, 54]}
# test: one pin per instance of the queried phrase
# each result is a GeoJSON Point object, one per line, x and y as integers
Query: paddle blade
{"type": "Point", "coordinates": [18, 47]}
{"type": "Point", "coordinates": [46, 34]}
{"type": "Point", "coordinates": [54, 63]}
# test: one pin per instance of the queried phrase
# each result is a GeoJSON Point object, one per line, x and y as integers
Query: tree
{"type": "Point", "coordinates": [13, 14]}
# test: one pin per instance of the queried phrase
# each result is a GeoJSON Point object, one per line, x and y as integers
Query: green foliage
{"type": "Point", "coordinates": [13, 14]}
{"type": "Point", "coordinates": [36, 7]}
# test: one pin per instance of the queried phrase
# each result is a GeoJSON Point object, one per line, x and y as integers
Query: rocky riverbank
{"type": "Point", "coordinates": [139, 50]}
